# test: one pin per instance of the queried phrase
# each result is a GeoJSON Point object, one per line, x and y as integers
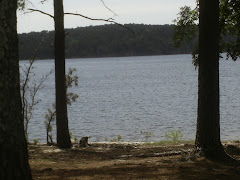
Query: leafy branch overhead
{"type": "Point", "coordinates": [186, 25]}
{"type": "Point", "coordinates": [229, 23]}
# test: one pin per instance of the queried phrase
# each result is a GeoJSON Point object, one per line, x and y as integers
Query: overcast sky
{"type": "Point", "coordinates": [128, 11]}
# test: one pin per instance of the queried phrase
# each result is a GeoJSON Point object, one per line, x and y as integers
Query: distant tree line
{"type": "Point", "coordinates": [106, 41]}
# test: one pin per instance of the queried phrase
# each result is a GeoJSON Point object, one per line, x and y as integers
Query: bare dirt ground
{"type": "Point", "coordinates": [129, 161]}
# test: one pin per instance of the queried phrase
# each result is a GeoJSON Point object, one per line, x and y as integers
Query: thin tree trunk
{"type": "Point", "coordinates": [63, 137]}
{"type": "Point", "coordinates": [13, 147]}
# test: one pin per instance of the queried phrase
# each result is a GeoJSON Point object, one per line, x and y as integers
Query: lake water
{"type": "Point", "coordinates": [124, 96]}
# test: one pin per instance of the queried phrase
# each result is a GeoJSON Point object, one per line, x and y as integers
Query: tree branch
{"type": "Point", "coordinates": [108, 8]}
{"type": "Point", "coordinates": [36, 10]}
{"type": "Point", "coordinates": [43, 1]}
{"type": "Point", "coordinates": [92, 19]}
{"type": "Point", "coordinates": [110, 20]}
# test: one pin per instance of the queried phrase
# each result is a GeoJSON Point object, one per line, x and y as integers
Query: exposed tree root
{"type": "Point", "coordinates": [217, 155]}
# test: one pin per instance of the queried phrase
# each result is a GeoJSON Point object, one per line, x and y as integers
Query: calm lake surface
{"type": "Point", "coordinates": [124, 96]}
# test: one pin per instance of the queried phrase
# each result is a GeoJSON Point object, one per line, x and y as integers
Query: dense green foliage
{"type": "Point", "coordinates": [230, 26]}
{"type": "Point", "coordinates": [186, 28]}
{"type": "Point", "coordinates": [106, 41]}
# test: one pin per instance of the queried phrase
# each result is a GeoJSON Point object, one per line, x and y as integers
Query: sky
{"type": "Point", "coordinates": [157, 12]}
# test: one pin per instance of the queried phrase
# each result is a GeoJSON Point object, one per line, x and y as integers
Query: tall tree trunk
{"type": "Point", "coordinates": [13, 147]}
{"type": "Point", "coordinates": [208, 120]}
{"type": "Point", "coordinates": [63, 137]}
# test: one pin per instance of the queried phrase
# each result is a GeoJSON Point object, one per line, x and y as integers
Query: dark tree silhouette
{"type": "Point", "coordinates": [63, 137]}
{"type": "Point", "coordinates": [13, 147]}
{"type": "Point", "coordinates": [208, 120]}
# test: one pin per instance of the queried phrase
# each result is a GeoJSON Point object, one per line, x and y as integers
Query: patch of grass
{"type": "Point", "coordinates": [118, 139]}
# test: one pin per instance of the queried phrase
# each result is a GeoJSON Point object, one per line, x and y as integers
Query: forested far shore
{"type": "Point", "coordinates": [105, 41]}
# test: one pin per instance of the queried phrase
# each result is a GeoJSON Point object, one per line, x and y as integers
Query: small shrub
{"type": "Point", "coordinates": [35, 141]}
{"type": "Point", "coordinates": [49, 118]}
{"type": "Point", "coordinates": [147, 135]}
{"type": "Point", "coordinates": [75, 139]}
{"type": "Point", "coordinates": [174, 135]}
{"type": "Point", "coordinates": [71, 134]}
{"type": "Point", "coordinates": [119, 138]}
